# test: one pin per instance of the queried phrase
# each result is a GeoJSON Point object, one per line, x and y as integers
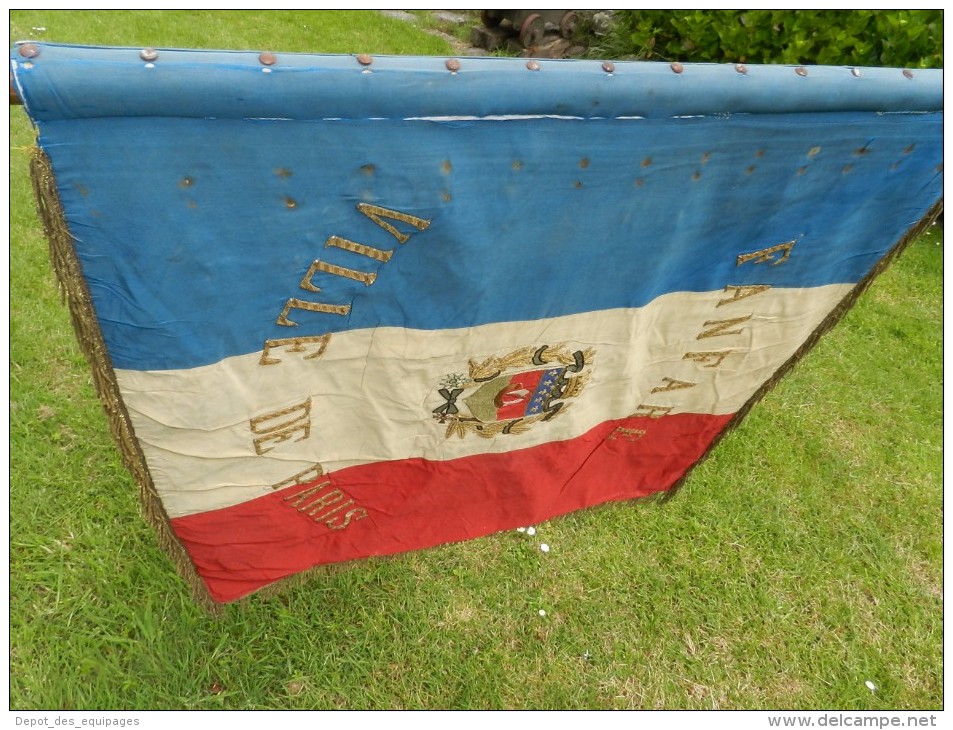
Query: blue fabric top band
{"type": "Point", "coordinates": [119, 82]}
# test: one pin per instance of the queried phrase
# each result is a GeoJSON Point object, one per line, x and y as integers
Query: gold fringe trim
{"type": "Point", "coordinates": [75, 293]}
{"type": "Point", "coordinates": [822, 329]}
{"type": "Point", "coordinates": [291, 581]}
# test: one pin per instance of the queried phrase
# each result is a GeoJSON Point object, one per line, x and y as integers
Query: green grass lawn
{"type": "Point", "coordinates": [801, 560]}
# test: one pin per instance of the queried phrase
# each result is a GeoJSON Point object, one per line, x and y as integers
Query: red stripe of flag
{"type": "Point", "coordinates": [397, 506]}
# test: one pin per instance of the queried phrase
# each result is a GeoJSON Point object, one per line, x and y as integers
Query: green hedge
{"type": "Point", "coordinates": [890, 38]}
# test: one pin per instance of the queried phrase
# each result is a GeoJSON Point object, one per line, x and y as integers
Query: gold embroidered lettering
{"type": "Point", "coordinates": [376, 213]}
{"type": "Point", "coordinates": [326, 506]}
{"type": "Point", "coordinates": [302, 477]}
{"type": "Point", "coordinates": [294, 344]}
{"type": "Point", "coordinates": [628, 434]}
{"type": "Point", "coordinates": [319, 265]}
{"type": "Point", "coordinates": [358, 513]}
{"type": "Point", "coordinates": [742, 292]}
{"type": "Point", "coordinates": [768, 254]}
{"type": "Point", "coordinates": [290, 421]}
{"type": "Point", "coordinates": [375, 253]}
{"type": "Point", "coordinates": [295, 500]}
{"type": "Point", "coordinates": [672, 384]}
{"type": "Point", "coordinates": [714, 358]}
{"type": "Point", "coordinates": [719, 327]}
{"type": "Point", "coordinates": [326, 515]}
{"type": "Point", "coordinates": [321, 503]}
{"type": "Point", "coordinates": [651, 411]}
{"type": "Point", "coordinates": [342, 309]}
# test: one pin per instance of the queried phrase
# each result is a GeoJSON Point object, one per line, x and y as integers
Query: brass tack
{"type": "Point", "coordinates": [608, 67]}
{"type": "Point", "coordinates": [453, 65]}
{"type": "Point", "coordinates": [801, 71]}
{"type": "Point", "coordinates": [148, 54]}
{"type": "Point", "coordinates": [741, 68]}
{"type": "Point", "coordinates": [267, 58]}
{"type": "Point", "coordinates": [908, 73]}
{"type": "Point", "coordinates": [677, 67]}
{"type": "Point", "coordinates": [364, 59]}
{"type": "Point", "coordinates": [29, 50]}
{"type": "Point", "coordinates": [532, 65]}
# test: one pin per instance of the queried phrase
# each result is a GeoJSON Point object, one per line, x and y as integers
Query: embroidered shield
{"type": "Point", "coordinates": [500, 395]}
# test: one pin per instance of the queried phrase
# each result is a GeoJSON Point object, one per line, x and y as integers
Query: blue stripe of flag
{"type": "Point", "coordinates": [194, 234]}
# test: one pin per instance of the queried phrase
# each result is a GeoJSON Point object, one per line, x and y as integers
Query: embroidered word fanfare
{"type": "Point", "coordinates": [741, 292]}
{"type": "Point", "coordinates": [711, 359]}
{"type": "Point", "coordinates": [720, 327]}
{"type": "Point", "coordinates": [672, 384]}
{"type": "Point", "coordinates": [768, 254]}
{"type": "Point", "coordinates": [708, 359]}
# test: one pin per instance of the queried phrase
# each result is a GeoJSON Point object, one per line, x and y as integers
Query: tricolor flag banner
{"type": "Point", "coordinates": [348, 306]}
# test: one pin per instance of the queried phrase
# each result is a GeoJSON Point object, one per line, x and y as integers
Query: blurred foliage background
{"type": "Point", "coordinates": [911, 38]}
